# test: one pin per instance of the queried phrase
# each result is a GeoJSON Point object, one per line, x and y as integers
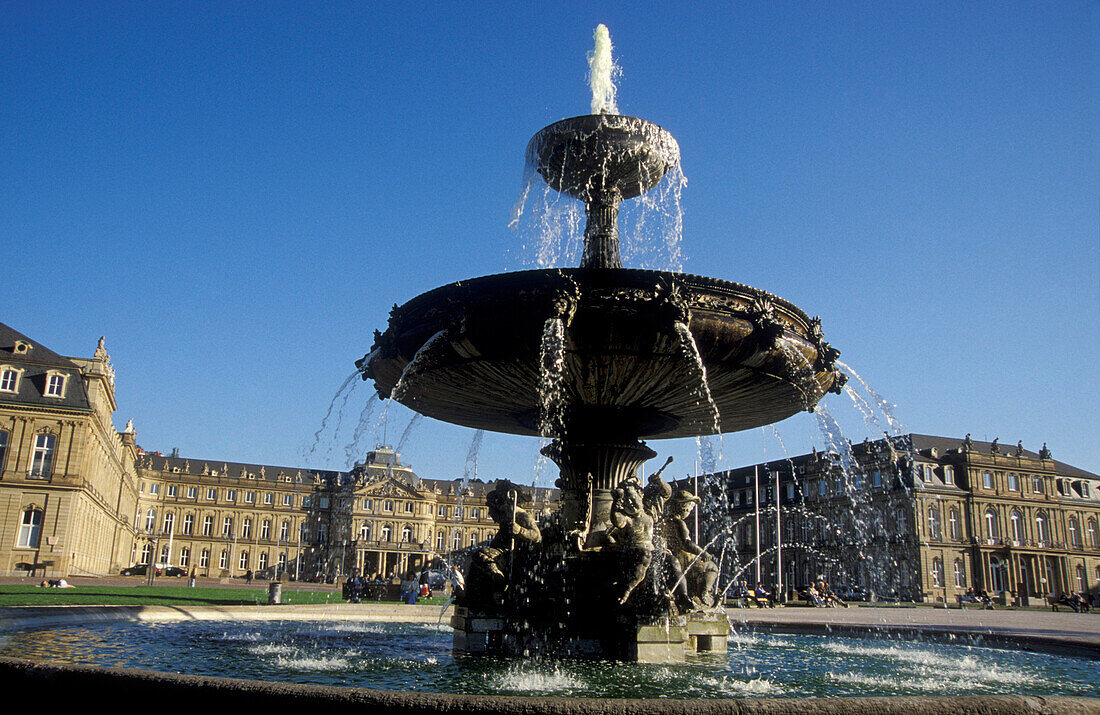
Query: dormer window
{"type": "Point", "coordinates": [21, 347]}
{"type": "Point", "coordinates": [9, 379]}
{"type": "Point", "coordinates": [55, 384]}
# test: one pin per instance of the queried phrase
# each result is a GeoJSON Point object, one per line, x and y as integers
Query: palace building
{"type": "Point", "coordinates": [78, 497]}
{"type": "Point", "coordinates": [914, 517]}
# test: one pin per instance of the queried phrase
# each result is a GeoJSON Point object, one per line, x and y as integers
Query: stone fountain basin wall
{"type": "Point", "coordinates": [59, 685]}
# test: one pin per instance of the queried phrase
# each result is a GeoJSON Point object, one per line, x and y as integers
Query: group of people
{"type": "Point", "coordinates": [761, 596]}
{"type": "Point", "coordinates": [980, 597]}
{"type": "Point", "coordinates": [821, 595]}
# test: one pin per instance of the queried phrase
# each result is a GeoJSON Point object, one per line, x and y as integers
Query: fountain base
{"type": "Point", "coordinates": [670, 639]}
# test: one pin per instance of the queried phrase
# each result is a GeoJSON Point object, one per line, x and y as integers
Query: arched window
{"type": "Point", "coordinates": [992, 530]}
{"type": "Point", "coordinates": [261, 562]}
{"type": "Point", "coordinates": [246, 529]}
{"type": "Point", "coordinates": [456, 541]}
{"type": "Point", "coordinates": [953, 517]}
{"type": "Point", "coordinates": [1080, 578]}
{"type": "Point", "coordinates": [406, 535]}
{"type": "Point", "coordinates": [1092, 534]}
{"type": "Point", "coordinates": [284, 531]}
{"type": "Point", "coordinates": [934, 524]}
{"type": "Point", "coordinates": [1074, 533]}
{"type": "Point", "coordinates": [265, 530]}
{"type": "Point", "coordinates": [473, 539]}
{"type": "Point", "coordinates": [1041, 528]}
{"type": "Point", "coordinates": [223, 560]}
{"type": "Point", "coordinates": [364, 531]}
{"type": "Point", "coordinates": [30, 529]}
{"type": "Point", "coordinates": [387, 533]}
{"type": "Point", "coordinates": [937, 573]}
{"type": "Point", "coordinates": [169, 522]}
{"type": "Point", "coordinates": [440, 539]}
{"type": "Point", "coordinates": [146, 553]}
{"type": "Point", "coordinates": [204, 558]}
{"type": "Point", "coordinates": [1017, 525]}
{"type": "Point", "coordinates": [185, 556]}
{"type": "Point", "coordinates": [150, 520]}
{"type": "Point", "coordinates": [960, 574]}
{"type": "Point", "coordinates": [996, 574]}
{"type": "Point", "coordinates": [243, 560]}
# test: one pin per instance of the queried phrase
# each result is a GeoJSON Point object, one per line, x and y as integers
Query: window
{"type": "Point", "coordinates": [442, 510]}
{"type": "Point", "coordinates": [953, 518]}
{"type": "Point", "coordinates": [284, 531]}
{"type": "Point", "coordinates": [1074, 534]}
{"type": "Point", "coordinates": [207, 526]}
{"type": "Point", "coordinates": [192, 492]}
{"type": "Point", "coordinates": [322, 533]}
{"type": "Point", "coordinates": [282, 561]}
{"type": "Point", "coordinates": [926, 473]}
{"type": "Point", "coordinates": [1037, 485]}
{"type": "Point", "coordinates": [185, 556]}
{"type": "Point", "coordinates": [227, 526]}
{"type": "Point", "coordinates": [322, 503]}
{"type": "Point", "coordinates": [164, 554]}
{"type": "Point", "coordinates": [987, 480]}
{"type": "Point", "coordinates": [948, 475]}
{"type": "Point", "coordinates": [30, 529]}
{"type": "Point", "coordinates": [223, 560]}
{"type": "Point", "coordinates": [171, 490]}
{"type": "Point", "coordinates": [388, 505]}
{"type": "Point", "coordinates": [231, 495]}
{"type": "Point", "coordinates": [9, 378]}
{"type": "Point", "coordinates": [305, 502]}
{"type": "Point", "coordinates": [261, 562]}
{"type": "Point", "coordinates": [1085, 489]}
{"type": "Point", "coordinates": [1041, 528]}
{"type": "Point", "coordinates": [475, 513]}
{"type": "Point", "coordinates": [188, 524]}
{"type": "Point", "coordinates": [473, 539]}
{"type": "Point", "coordinates": [1092, 534]}
{"type": "Point", "coordinates": [212, 494]}
{"type": "Point", "coordinates": [3, 448]}
{"type": "Point", "coordinates": [458, 512]}
{"type": "Point", "coordinates": [408, 507]}
{"type": "Point", "coordinates": [1013, 482]}
{"type": "Point", "coordinates": [992, 530]}
{"type": "Point", "coordinates": [368, 504]}
{"type": "Point", "coordinates": [960, 574]}
{"type": "Point", "coordinates": [937, 573]}
{"type": "Point", "coordinates": [269, 498]}
{"type": "Point", "coordinates": [246, 529]}
{"type": "Point", "coordinates": [265, 529]}
{"type": "Point", "coordinates": [364, 531]}
{"type": "Point", "coordinates": [204, 558]}
{"type": "Point", "coordinates": [243, 561]}
{"type": "Point", "coordinates": [934, 523]}
{"type": "Point", "coordinates": [288, 500]}
{"type": "Point", "coordinates": [1081, 578]}
{"type": "Point", "coordinates": [250, 497]}
{"type": "Point", "coordinates": [439, 541]}
{"type": "Point", "coordinates": [154, 489]}
{"type": "Point", "coordinates": [387, 532]}
{"type": "Point", "coordinates": [42, 457]}
{"type": "Point", "coordinates": [150, 519]}
{"type": "Point", "coordinates": [876, 478]}
{"type": "Point", "coordinates": [406, 535]}
{"type": "Point", "coordinates": [169, 522]}
{"type": "Point", "coordinates": [1017, 526]}
{"type": "Point", "coordinates": [55, 385]}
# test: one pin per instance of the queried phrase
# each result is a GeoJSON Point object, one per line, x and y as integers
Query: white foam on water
{"type": "Point", "coordinates": [540, 681]}
{"type": "Point", "coordinates": [753, 686]}
{"type": "Point", "coordinates": [939, 669]}
{"type": "Point", "coordinates": [892, 683]}
{"type": "Point", "coordinates": [378, 628]}
{"type": "Point", "coordinates": [313, 663]}
{"type": "Point", "coordinates": [272, 649]}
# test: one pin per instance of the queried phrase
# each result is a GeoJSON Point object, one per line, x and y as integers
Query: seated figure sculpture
{"type": "Point", "coordinates": [698, 569]}
{"type": "Point", "coordinates": [490, 568]}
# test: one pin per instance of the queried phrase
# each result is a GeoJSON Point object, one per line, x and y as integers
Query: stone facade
{"type": "Point", "coordinates": [68, 480]}
{"type": "Point", "coordinates": [916, 517]}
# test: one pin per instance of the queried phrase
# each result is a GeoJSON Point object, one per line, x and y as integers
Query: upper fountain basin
{"type": "Point", "coordinates": [628, 370]}
{"type": "Point", "coordinates": [595, 156]}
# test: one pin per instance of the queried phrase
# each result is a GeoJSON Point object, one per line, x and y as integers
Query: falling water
{"type": "Point", "coordinates": [551, 378]}
{"type": "Point", "coordinates": [353, 449]}
{"type": "Point", "coordinates": [345, 392]}
{"type": "Point", "coordinates": [691, 352]}
{"type": "Point", "coordinates": [886, 407]}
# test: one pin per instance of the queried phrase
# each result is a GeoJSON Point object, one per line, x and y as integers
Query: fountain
{"type": "Point", "coordinates": [642, 354]}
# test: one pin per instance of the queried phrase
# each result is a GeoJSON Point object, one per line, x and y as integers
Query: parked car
{"type": "Point", "coordinates": [175, 571]}
{"type": "Point", "coordinates": [139, 570]}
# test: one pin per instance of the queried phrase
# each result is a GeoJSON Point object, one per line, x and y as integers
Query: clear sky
{"type": "Point", "coordinates": [235, 193]}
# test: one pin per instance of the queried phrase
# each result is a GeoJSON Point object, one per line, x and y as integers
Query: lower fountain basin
{"type": "Point", "coordinates": [628, 370]}
{"type": "Point", "coordinates": [407, 657]}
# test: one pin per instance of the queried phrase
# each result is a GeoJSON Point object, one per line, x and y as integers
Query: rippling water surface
{"type": "Point", "coordinates": [418, 657]}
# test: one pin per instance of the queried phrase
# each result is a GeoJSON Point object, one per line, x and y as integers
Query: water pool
{"type": "Point", "coordinates": [417, 657]}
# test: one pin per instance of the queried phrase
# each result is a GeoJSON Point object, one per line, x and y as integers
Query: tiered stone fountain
{"type": "Point", "coordinates": [644, 355]}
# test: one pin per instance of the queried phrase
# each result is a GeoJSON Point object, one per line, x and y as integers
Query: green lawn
{"type": "Point", "coordinates": [162, 596]}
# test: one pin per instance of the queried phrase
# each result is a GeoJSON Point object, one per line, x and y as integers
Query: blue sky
{"type": "Point", "coordinates": [236, 193]}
